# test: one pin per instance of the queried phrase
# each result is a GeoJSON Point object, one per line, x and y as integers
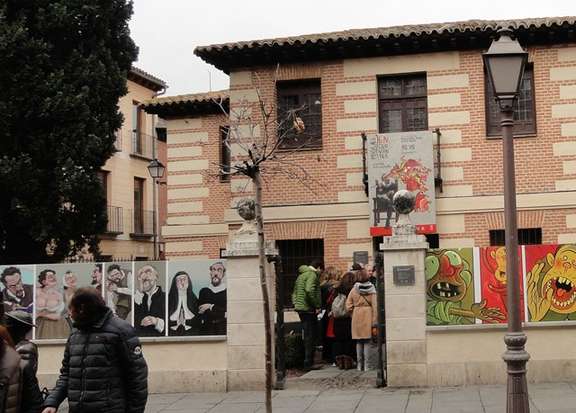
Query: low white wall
{"type": "Point", "coordinates": [174, 365]}
{"type": "Point", "coordinates": [473, 355]}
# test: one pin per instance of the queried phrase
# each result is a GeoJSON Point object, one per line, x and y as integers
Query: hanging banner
{"type": "Point", "coordinates": [402, 160]}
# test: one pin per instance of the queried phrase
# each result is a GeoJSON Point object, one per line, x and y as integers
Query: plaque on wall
{"type": "Point", "coordinates": [404, 275]}
{"type": "Point", "coordinates": [360, 257]}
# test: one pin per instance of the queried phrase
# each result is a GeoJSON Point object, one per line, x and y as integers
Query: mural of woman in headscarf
{"type": "Point", "coordinates": [182, 306]}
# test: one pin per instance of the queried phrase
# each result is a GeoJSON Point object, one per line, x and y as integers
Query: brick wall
{"type": "Point", "coordinates": [471, 201]}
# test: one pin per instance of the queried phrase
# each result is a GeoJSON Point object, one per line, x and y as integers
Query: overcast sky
{"type": "Point", "coordinates": [167, 31]}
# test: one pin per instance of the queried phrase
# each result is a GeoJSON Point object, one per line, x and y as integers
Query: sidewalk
{"type": "Point", "coordinates": [544, 398]}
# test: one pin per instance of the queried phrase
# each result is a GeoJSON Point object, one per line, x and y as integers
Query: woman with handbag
{"type": "Point", "coordinates": [361, 302]}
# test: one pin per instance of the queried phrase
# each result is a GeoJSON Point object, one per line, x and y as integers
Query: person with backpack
{"type": "Point", "coordinates": [343, 344]}
{"type": "Point", "coordinates": [306, 300]}
{"type": "Point", "coordinates": [361, 302]}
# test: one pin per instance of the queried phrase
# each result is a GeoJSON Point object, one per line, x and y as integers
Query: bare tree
{"type": "Point", "coordinates": [261, 146]}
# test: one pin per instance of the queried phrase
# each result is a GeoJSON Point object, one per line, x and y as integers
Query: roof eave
{"type": "Point", "coordinates": [246, 54]}
{"type": "Point", "coordinates": [189, 108]}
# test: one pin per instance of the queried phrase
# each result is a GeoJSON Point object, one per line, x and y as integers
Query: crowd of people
{"type": "Point", "coordinates": [342, 308]}
{"type": "Point", "coordinates": [103, 369]}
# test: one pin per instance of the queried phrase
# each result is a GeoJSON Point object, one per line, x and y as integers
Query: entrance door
{"type": "Point", "coordinates": [295, 253]}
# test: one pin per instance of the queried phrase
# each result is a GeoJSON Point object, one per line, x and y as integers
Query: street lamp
{"type": "Point", "coordinates": [156, 170]}
{"type": "Point", "coordinates": [505, 61]}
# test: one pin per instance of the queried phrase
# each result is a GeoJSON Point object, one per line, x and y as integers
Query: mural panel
{"type": "Point", "coordinates": [17, 286]}
{"type": "Point", "coordinates": [56, 284]}
{"type": "Point", "coordinates": [150, 298]}
{"type": "Point", "coordinates": [451, 291]}
{"type": "Point", "coordinates": [197, 298]}
{"type": "Point", "coordinates": [119, 289]}
{"type": "Point", "coordinates": [551, 282]}
{"type": "Point", "coordinates": [493, 279]}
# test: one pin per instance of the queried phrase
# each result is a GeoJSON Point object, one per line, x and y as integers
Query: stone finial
{"type": "Point", "coordinates": [247, 211]}
{"type": "Point", "coordinates": [404, 202]}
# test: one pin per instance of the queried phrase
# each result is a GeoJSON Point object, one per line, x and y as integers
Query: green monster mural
{"type": "Point", "coordinates": [450, 290]}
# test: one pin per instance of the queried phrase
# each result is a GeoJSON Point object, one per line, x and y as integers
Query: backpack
{"type": "Point", "coordinates": [339, 307]}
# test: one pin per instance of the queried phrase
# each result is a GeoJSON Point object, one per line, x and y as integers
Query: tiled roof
{"type": "Point", "coordinates": [195, 104]}
{"type": "Point", "coordinates": [149, 80]}
{"type": "Point", "coordinates": [395, 31]}
{"type": "Point", "coordinates": [190, 98]}
{"type": "Point", "coordinates": [215, 53]}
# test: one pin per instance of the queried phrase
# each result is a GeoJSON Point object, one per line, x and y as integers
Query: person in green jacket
{"type": "Point", "coordinates": [306, 301]}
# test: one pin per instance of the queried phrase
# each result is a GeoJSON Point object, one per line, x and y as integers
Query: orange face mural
{"type": "Point", "coordinates": [494, 279]}
{"type": "Point", "coordinates": [551, 282]}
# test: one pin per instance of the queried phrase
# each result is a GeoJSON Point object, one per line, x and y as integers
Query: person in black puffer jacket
{"type": "Point", "coordinates": [103, 370]}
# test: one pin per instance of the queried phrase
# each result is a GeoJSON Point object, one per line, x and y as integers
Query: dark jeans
{"type": "Point", "coordinates": [309, 328]}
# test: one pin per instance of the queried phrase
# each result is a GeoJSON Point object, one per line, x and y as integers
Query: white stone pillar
{"type": "Point", "coordinates": [246, 333]}
{"type": "Point", "coordinates": [405, 309]}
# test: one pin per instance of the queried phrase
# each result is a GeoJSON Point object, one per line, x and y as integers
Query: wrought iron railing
{"type": "Point", "coordinates": [142, 144]}
{"type": "Point", "coordinates": [142, 222]}
{"type": "Point", "coordinates": [115, 217]}
{"type": "Point", "coordinates": [118, 141]}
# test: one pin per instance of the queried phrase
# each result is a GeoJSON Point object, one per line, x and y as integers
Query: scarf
{"type": "Point", "coordinates": [365, 288]}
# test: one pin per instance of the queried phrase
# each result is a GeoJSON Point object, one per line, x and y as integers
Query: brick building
{"type": "Point", "coordinates": [423, 77]}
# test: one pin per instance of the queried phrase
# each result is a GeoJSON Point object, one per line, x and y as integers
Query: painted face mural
{"type": "Point", "coordinates": [494, 280]}
{"type": "Point", "coordinates": [450, 290]}
{"type": "Point", "coordinates": [552, 283]}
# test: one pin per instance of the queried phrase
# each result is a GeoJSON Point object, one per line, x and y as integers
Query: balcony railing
{"type": "Point", "coordinates": [115, 217]}
{"type": "Point", "coordinates": [118, 141]}
{"type": "Point", "coordinates": [142, 144]}
{"type": "Point", "coordinates": [142, 223]}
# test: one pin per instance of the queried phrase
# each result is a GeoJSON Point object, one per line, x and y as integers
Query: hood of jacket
{"type": "Point", "coordinates": [365, 288]}
{"type": "Point", "coordinates": [304, 268]}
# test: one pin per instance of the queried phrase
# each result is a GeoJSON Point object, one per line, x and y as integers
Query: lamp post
{"type": "Point", "coordinates": [156, 170]}
{"type": "Point", "coordinates": [505, 61]}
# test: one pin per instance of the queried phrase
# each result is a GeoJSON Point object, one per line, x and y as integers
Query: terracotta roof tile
{"type": "Point", "coordinates": [395, 31]}
{"type": "Point", "coordinates": [189, 98]}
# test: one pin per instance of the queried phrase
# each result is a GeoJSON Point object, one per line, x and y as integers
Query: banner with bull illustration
{"type": "Point", "coordinates": [395, 161]}
{"type": "Point", "coordinates": [468, 285]}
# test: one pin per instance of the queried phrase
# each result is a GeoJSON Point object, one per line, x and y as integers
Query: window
{"type": "Point", "coordinates": [139, 205]}
{"type": "Point", "coordinates": [403, 105]}
{"type": "Point", "coordinates": [526, 236]}
{"type": "Point", "coordinates": [304, 97]}
{"type": "Point", "coordinates": [137, 128]}
{"type": "Point", "coordinates": [295, 253]}
{"type": "Point", "coordinates": [224, 155]}
{"type": "Point", "coordinates": [103, 178]}
{"type": "Point", "coordinates": [524, 108]}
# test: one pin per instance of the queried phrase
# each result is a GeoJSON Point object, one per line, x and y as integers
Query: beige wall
{"type": "Point", "coordinates": [173, 366]}
{"type": "Point", "coordinates": [474, 355]}
{"type": "Point", "coordinates": [123, 168]}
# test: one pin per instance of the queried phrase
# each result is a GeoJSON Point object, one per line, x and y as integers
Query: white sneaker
{"type": "Point", "coordinates": [359, 367]}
